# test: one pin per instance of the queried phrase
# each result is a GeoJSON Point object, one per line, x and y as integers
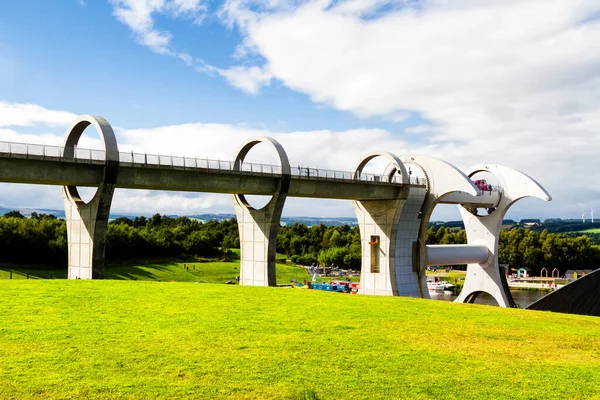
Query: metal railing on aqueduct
{"type": "Point", "coordinates": [144, 160]}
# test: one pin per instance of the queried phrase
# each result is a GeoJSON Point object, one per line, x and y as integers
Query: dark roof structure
{"type": "Point", "coordinates": [578, 297]}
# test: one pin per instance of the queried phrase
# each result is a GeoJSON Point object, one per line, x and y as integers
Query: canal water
{"type": "Point", "coordinates": [523, 298]}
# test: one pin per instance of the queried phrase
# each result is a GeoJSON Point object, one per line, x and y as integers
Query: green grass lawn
{"type": "Point", "coordinates": [122, 339]}
{"type": "Point", "coordinates": [591, 230]}
{"type": "Point", "coordinates": [203, 272]}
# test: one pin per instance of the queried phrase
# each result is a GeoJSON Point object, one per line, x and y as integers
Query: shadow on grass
{"type": "Point", "coordinates": [115, 272]}
{"type": "Point", "coordinates": [31, 273]}
{"type": "Point", "coordinates": [138, 272]}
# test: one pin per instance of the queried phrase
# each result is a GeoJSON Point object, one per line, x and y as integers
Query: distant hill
{"type": "Point", "coordinates": [329, 221]}
{"type": "Point", "coordinates": [555, 225]}
{"type": "Point", "coordinates": [27, 211]}
{"type": "Point", "coordinates": [309, 221]}
{"type": "Point", "coordinates": [566, 225]}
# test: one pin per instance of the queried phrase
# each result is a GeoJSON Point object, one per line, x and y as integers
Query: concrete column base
{"type": "Point", "coordinates": [86, 237]}
{"type": "Point", "coordinates": [389, 232]}
{"type": "Point", "coordinates": [258, 240]}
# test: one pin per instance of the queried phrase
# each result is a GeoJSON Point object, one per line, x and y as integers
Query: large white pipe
{"type": "Point", "coordinates": [452, 254]}
{"type": "Point", "coordinates": [485, 199]}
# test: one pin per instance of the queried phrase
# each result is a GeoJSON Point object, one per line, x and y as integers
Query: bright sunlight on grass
{"type": "Point", "coordinates": [125, 339]}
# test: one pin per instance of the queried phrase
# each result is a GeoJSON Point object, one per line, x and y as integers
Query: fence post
{"type": "Point", "coordinates": [10, 275]}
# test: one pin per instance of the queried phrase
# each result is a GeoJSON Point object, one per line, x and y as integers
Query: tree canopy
{"type": "Point", "coordinates": [42, 239]}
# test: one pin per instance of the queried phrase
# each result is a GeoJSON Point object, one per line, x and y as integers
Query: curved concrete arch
{"type": "Point", "coordinates": [474, 295]}
{"type": "Point", "coordinates": [284, 183]}
{"type": "Point", "coordinates": [111, 149]}
{"type": "Point", "coordinates": [384, 254]}
{"type": "Point", "coordinates": [485, 230]}
{"type": "Point", "coordinates": [246, 147]}
{"type": "Point", "coordinates": [443, 179]}
{"type": "Point", "coordinates": [395, 160]}
{"type": "Point", "coordinates": [258, 227]}
{"type": "Point", "coordinates": [87, 223]}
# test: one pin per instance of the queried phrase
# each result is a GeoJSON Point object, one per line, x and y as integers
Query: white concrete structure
{"type": "Point", "coordinates": [394, 232]}
{"type": "Point", "coordinates": [379, 223]}
{"type": "Point", "coordinates": [453, 254]}
{"type": "Point", "coordinates": [393, 212]}
{"type": "Point", "coordinates": [87, 223]}
{"type": "Point", "coordinates": [484, 230]}
{"type": "Point", "coordinates": [443, 179]}
{"type": "Point", "coordinates": [258, 228]}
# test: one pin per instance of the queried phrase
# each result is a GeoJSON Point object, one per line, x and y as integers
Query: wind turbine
{"type": "Point", "coordinates": [592, 213]}
{"type": "Point", "coordinates": [583, 217]}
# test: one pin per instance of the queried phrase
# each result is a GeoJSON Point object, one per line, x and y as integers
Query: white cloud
{"type": "Point", "coordinates": [49, 138]}
{"type": "Point", "coordinates": [446, 57]}
{"type": "Point", "coordinates": [513, 82]}
{"type": "Point", "coordinates": [22, 114]}
{"type": "Point", "coordinates": [564, 165]}
{"type": "Point", "coordinates": [516, 82]}
{"type": "Point", "coordinates": [138, 16]}
{"type": "Point", "coordinates": [248, 79]}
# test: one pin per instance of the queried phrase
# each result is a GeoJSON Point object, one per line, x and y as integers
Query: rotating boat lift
{"type": "Point", "coordinates": [403, 270]}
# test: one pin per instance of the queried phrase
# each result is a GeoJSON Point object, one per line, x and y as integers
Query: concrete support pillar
{"type": "Point", "coordinates": [386, 242]}
{"type": "Point", "coordinates": [441, 179]}
{"type": "Point", "coordinates": [87, 223]}
{"type": "Point", "coordinates": [258, 228]}
{"type": "Point", "coordinates": [484, 230]}
{"type": "Point", "coordinates": [407, 244]}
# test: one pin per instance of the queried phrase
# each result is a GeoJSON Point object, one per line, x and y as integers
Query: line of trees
{"type": "Point", "coordinates": [161, 236]}
{"type": "Point", "coordinates": [42, 239]}
{"type": "Point", "coordinates": [327, 245]}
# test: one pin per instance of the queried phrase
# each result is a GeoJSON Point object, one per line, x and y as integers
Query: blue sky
{"type": "Point", "coordinates": [69, 56]}
{"type": "Point", "coordinates": [504, 81]}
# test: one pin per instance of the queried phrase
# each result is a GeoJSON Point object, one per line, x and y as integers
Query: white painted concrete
{"type": "Point", "coordinates": [485, 230]}
{"type": "Point", "coordinates": [453, 254]}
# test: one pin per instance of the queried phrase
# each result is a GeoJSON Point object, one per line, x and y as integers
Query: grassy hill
{"type": "Point", "coordinates": [591, 230]}
{"type": "Point", "coordinates": [202, 272]}
{"type": "Point", "coordinates": [124, 339]}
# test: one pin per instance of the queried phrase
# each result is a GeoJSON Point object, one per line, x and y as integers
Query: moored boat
{"type": "Point", "coordinates": [439, 285]}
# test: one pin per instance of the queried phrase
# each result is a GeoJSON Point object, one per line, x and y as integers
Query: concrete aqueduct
{"type": "Point", "coordinates": [393, 210]}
